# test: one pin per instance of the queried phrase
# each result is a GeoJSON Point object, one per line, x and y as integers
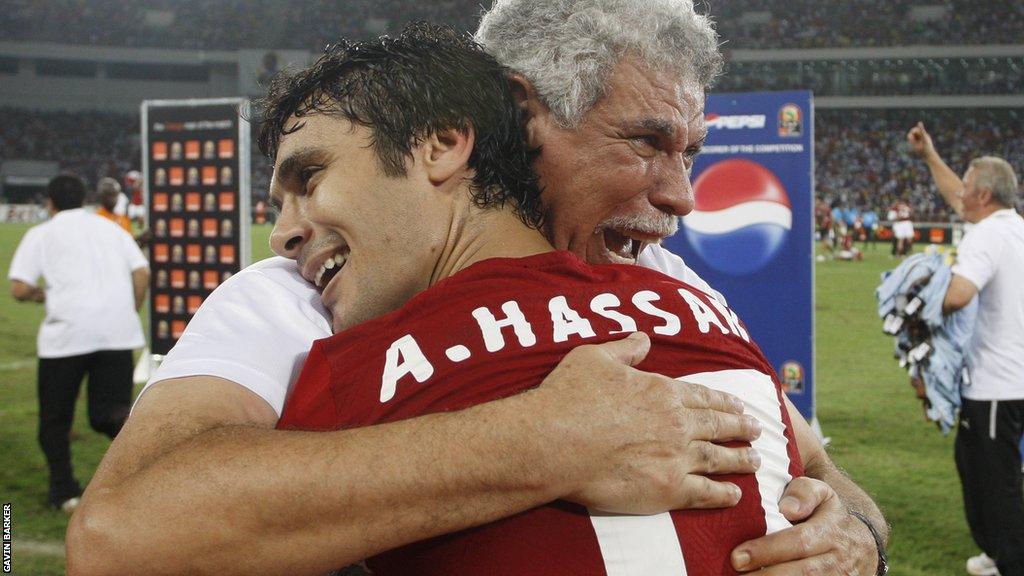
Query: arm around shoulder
{"type": "Point", "coordinates": [198, 482]}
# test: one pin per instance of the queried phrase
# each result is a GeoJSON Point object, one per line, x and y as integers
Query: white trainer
{"type": "Point", "coordinates": [69, 505]}
{"type": "Point", "coordinates": [982, 565]}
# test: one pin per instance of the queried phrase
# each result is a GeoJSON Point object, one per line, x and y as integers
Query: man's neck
{"type": "Point", "coordinates": [479, 234]}
{"type": "Point", "coordinates": [988, 211]}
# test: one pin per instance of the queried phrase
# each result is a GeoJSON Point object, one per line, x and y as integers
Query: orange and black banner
{"type": "Point", "coordinates": [196, 171]}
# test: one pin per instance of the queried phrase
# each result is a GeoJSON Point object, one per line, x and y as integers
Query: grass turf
{"type": "Point", "coordinates": [864, 405]}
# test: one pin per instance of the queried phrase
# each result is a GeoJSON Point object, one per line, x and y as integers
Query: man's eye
{"type": "Point", "coordinates": [651, 141]}
{"type": "Point", "coordinates": [307, 173]}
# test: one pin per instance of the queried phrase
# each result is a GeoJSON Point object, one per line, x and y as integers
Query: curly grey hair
{"type": "Point", "coordinates": [996, 175]}
{"type": "Point", "coordinates": [567, 48]}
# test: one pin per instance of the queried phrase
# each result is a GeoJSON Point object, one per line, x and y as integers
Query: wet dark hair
{"type": "Point", "coordinates": [66, 191]}
{"type": "Point", "coordinates": [429, 79]}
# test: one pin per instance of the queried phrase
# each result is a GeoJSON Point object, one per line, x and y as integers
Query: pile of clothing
{"type": "Point", "coordinates": [929, 345]}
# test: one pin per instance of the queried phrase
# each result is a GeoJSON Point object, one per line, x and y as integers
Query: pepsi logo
{"type": "Point", "coordinates": [735, 122]}
{"type": "Point", "coordinates": [741, 217]}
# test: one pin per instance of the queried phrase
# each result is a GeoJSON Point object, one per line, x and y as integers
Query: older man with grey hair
{"type": "Point", "coordinates": [989, 266]}
{"type": "Point", "coordinates": [615, 162]}
{"type": "Point", "coordinates": [612, 93]}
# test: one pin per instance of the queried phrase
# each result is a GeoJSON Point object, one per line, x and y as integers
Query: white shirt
{"type": "Point", "coordinates": [991, 257]}
{"type": "Point", "coordinates": [121, 208]}
{"type": "Point", "coordinates": [87, 263]}
{"type": "Point", "coordinates": [256, 329]}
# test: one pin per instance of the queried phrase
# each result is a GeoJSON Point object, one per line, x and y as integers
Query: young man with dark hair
{"type": "Point", "coordinates": [95, 280]}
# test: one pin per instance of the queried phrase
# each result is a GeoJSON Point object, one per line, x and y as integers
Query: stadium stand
{"type": "Point", "coordinates": [880, 77]}
{"type": "Point", "coordinates": [779, 24]}
{"type": "Point", "coordinates": [861, 157]}
{"type": "Point", "coordinates": [310, 24]}
{"type": "Point", "coordinates": [91, 144]}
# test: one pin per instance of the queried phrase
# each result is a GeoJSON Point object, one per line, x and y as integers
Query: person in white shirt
{"type": "Point", "coordinates": [990, 266]}
{"type": "Point", "coordinates": [617, 136]}
{"type": "Point", "coordinates": [95, 278]}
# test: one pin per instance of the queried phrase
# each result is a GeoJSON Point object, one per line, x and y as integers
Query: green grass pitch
{"type": "Point", "coordinates": [864, 405]}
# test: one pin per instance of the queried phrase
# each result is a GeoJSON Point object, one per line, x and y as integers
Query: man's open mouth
{"type": "Point", "coordinates": [624, 244]}
{"type": "Point", "coordinates": [330, 268]}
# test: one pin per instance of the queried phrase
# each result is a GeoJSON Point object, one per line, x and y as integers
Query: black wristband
{"type": "Point", "coordinates": [883, 564]}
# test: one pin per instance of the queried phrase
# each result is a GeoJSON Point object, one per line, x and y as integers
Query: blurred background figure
{"type": "Point", "coordinates": [109, 195]}
{"type": "Point", "coordinates": [92, 277]}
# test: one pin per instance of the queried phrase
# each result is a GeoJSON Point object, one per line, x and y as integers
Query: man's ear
{"type": "Point", "coordinates": [446, 154]}
{"type": "Point", "coordinates": [984, 196]}
{"type": "Point", "coordinates": [533, 112]}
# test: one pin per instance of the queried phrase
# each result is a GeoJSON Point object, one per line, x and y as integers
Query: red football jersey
{"type": "Point", "coordinates": [498, 328]}
{"type": "Point", "coordinates": [903, 211]}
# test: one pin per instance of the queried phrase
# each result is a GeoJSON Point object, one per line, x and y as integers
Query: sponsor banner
{"type": "Point", "coordinates": [932, 233]}
{"type": "Point", "coordinates": [196, 166]}
{"type": "Point", "coordinates": [22, 213]}
{"type": "Point", "coordinates": [751, 232]}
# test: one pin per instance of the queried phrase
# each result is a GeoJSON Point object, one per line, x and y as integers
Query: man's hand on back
{"type": "Point", "coordinates": [640, 443]}
{"type": "Point", "coordinates": [825, 539]}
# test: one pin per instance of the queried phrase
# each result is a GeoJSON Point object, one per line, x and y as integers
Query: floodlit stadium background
{"type": "Point", "coordinates": [74, 72]}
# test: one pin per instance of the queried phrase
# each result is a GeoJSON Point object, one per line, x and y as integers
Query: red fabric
{"type": "Point", "coordinates": [903, 211]}
{"type": "Point", "coordinates": [340, 387]}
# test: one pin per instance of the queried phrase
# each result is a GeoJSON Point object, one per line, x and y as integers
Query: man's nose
{"type": "Point", "coordinates": [673, 193]}
{"type": "Point", "coordinates": [291, 232]}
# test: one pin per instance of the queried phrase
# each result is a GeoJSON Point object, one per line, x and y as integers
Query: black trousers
{"type": "Point", "coordinates": [110, 396]}
{"type": "Point", "coordinates": [989, 461]}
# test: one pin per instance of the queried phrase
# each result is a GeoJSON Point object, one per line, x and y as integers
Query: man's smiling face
{"type": "Point", "coordinates": [363, 238]}
{"type": "Point", "coordinates": [620, 178]}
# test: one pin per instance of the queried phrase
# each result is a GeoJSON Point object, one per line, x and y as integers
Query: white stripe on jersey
{"type": "Point", "coordinates": [649, 545]}
{"type": "Point", "coordinates": [759, 396]}
{"type": "Point", "coordinates": [638, 545]}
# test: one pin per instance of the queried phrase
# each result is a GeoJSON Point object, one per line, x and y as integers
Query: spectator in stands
{"type": "Point", "coordinates": [311, 24]}
{"type": "Point", "coordinates": [95, 280]}
{"type": "Point", "coordinates": [989, 266]}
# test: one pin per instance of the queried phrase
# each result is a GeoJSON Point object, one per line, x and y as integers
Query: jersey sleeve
{"type": "Point", "coordinates": [253, 331]}
{"type": "Point", "coordinates": [136, 259]}
{"type": "Point", "coordinates": [26, 266]}
{"type": "Point", "coordinates": [977, 257]}
{"type": "Point", "coordinates": [657, 258]}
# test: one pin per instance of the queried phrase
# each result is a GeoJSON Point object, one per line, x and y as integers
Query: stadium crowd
{"type": "Point", "coordinates": [811, 24]}
{"type": "Point", "coordinates": [310, 24]}
{"type": "Point", "coordinates": [92, 144]}
{"type": "Point", "coordinates": [862, 161]}
{"type": "Point", "coordinates": [860, 157]}
{"type": "Point", "coordinates": [881, 77]}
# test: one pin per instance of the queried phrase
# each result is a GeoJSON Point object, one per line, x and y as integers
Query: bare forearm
{"type": "Point", "coordinates": [851, 495]}
{"type": "Point", "coordinates": [140, 284]}
{"type": "Point", "coordinates": [24, 292]}
{"type": "Point", "coordinates": [243, 500]}
{"type": "Point", "coordinates": [947, 181]}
